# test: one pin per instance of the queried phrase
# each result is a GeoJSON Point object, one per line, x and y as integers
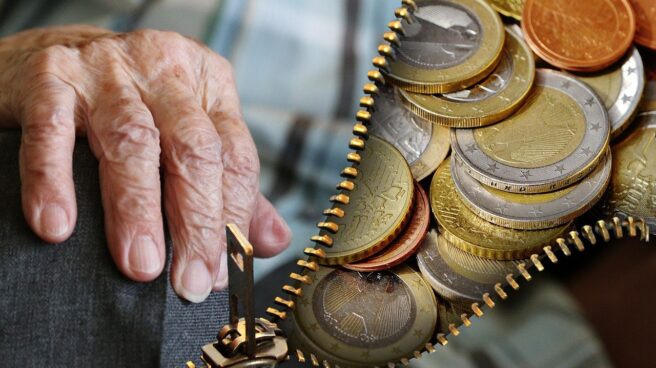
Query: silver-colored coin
{"type": "Point", "coordinates": [555, 139]}
{"type": "Point", "coordinates": [621, 88]}
{"type": "Point", "coordinates": [423, 144]}
{"type": "Point", "coordinates": [457, 275]}
{"type": "Point", "coordinates": [531, 211]}
{"type": "Point", "coordinates": [445, 34]}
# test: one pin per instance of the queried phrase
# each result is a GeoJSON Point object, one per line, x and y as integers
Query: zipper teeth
{"type": "Point", "coordinates": [601, 231]}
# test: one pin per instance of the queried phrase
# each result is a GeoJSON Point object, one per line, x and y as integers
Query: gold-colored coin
{"type": "Point", "coordinates": [378, 206]}
{"type": "Point", "coordinates": [620, 87]}
{"type": "Point", "coordinates": [509, 8]}
{"type": "Point", "coordinates": [632, 190]}
{"type": "Point", "coordinates": [448, 269]}
{"type": "Point", "coordinates": [487, 102]}
{"type": "Point", "coordinates": [555, 139]}
{"type": "Point", "coordinates": [423, 144]}
{"type": "Point", "coordinates": [447, 46]}
{"type": "Point", "coordinates": [355, 319]}
{"type": "Point", "coordinates": [471, 233]}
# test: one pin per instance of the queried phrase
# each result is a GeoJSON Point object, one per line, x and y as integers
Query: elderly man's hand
{"type": "Point", "coordinates": [141, 98]}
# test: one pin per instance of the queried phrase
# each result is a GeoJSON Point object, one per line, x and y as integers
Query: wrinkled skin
{"type": "Point", "coordinates": [143, 99]}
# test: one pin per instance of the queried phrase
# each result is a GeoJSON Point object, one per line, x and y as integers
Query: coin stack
{"type": "Point", "coordinates": [528, 103]}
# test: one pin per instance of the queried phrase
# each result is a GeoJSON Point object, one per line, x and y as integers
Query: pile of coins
{"type": "Point", "coordinates": [528, 103]}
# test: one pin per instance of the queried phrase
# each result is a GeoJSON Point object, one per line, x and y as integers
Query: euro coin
{"type": "Point", "coordinates": [648, 102]}
{"type": "Point", "coordinates": [532, 211]}
{"type": "Point", "coordinates": [556, 138]}
{"type": "Point", "coordinates": [487, 102]}
{"type": "Point", "coordinates": [355, 319]}
{"type": "Point", "coordinates": [405, 246]}
{"type": "Point", "coordinates": [447, 46]}
{"type": "Point", "coordinates": [509, 8]}
{"type": "Point", "coordinates": [473, 234]}
{"type": "Point", "coordinates": [423, 144]}
{"type": "Point", "coordinates": [645, 11]}
{"type": "Point", "coordinates": [581, 35]}
{"type": "Point", "coordinates": [458, 276]}
{"type": "Point", "coordinates": [632, 190]}
{"type": "Point", "coordinates": [620, 87]}
{"type": "Point", "coordinates": [375, 210]}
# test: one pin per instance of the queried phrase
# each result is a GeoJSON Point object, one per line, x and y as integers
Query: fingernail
{"type": "Point", "coordinates": [144, 256]}
{"type": "Point", "coordinates": [54, 220]}
{"type": "Point", "coordinates": [222, 280]}
{"type": "Point", "coordinates": [196, 281]}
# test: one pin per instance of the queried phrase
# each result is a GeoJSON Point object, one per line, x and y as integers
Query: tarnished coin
{"type": "Point", "coordinates": [620, 87]}
{"type": "Point", "coordinates": [405, 246]}
{"type": "Point", "coordinates": [471, 233]}
{"type": "Point", "coordinates": [423, 144]}
{"type": "Point", "coordinates": [581, 35]}
{"type": "Point", "coordinates": [378, 207]}
{"type": "Point", "coordinates": [532, 211]}
{"type": "Point", "coordinates": [632, 190]}
{"type": "Point", "coordinates": [487, 102]}
{"type": "Point", "coordinates": [457, 275]}
{"type": "Point", "coordinates": [358, 319]}
{"type": "Point", "coordinates": [556, 138]}
{"type": "Point", "coordinates": [645, 11]}
{"type": "Point", "coordinates": [447, 46]}
{"type": "Point", "coordinates": [509, 8]}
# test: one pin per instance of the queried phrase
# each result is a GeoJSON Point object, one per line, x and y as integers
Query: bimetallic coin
{"type": "Point", "coordinates": [532, 211]}
{"type": "Point", "coordinates": [581, 35]}
{"type": "Point", "coordinates": [509, 8]}
{"type": "Point", "coordinates": [648, 102]}
{"type": "Point", "coordinates": [645, 11]}
{"type": "Point", "coordinates": [556, 138]}
{"type": "Point", "coordinates": [406, 244]}
{"type": "Point", "coordinates": [456, 275]}
{"type": "Point", "coordinates": [358, 319]}
{"type": "Point", "coordinates": [632, 190]}
{"type": "Point", "coordinates": [378, 207]}
{"type": "Point", "coordinates": [487, 102]}
{"type": "Point", "coordinates": [620, 87]}
{"type": "Point", "coordinates": [448, 45]}
{"type": "Point", "coordinates": [423, 144]}
{"type": "Point", "coordinates": [471, 233]}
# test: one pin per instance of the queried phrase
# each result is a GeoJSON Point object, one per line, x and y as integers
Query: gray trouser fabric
{"type": "Point", "coordinates": [67, 305]}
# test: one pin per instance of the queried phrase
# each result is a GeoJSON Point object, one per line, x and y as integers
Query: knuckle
{"type": "Point", "coordinates": [241, 160]}
{"type": "Point", "coordinates": [45, 122]}
{"type": "Point", "coordinates": [46, 60]}
{"type": "Point", "coordinates": [195, 149]}
{"type": "Point", "coordinates": [131, 136]}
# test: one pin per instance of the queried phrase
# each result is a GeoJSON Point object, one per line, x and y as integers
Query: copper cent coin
{"type": "Point", "coordinates": [405, 245]}
{"type": "Point", "coordinates": [645, 11]}
{"type": "Point", "coordinates": [580, 35]}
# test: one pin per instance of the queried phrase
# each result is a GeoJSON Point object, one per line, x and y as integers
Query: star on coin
{"type": "Point", "coordinates": [396, 350]}
{"type": "Point", "coordinates": [560, 168]}
{"type": "Point", "coordinates": [526, 173]}
{"type": "Point", "coordinates": [334, 347]}
{"type": "Point", "coordinates": [568, 202]}
{"type": "Point", "coordinates": [492, 167]}
{"type": "Point", "coordinates": [589, 102]}
{"type": "Point", "coordinates": [314, 326]}
{"type": "Point", "coordinates": [631, 70]}
{"type": "Point", "coordinates": [565, 84]}
{"type": "Point", "coordinates": [304, 302]}
{"type": "Point", "coordinates": [595, 127]}
{"type": "Point", "coordinates": [586, 151]}
{"type": "Point", "coordinates": [471, 148]}
{"type": "Point", "coordinates": [535, 211]}
{"type": "Point", "coordinates": [365, 354]}
{"type": "Point", "coordinates": [626, 98]}
{"type": "Point", "coordinates": [502, 209]}
{"type": "Point", "coordinates": [417, 332]}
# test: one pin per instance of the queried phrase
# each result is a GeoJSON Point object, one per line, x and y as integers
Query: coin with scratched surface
{"type": "Point", "coordinates": [406, 244]}
{"type": "Point", "coordinates": [556, 138]}
{"type": "Point", "coordinates": [509, 8]}
{"type": "Point", "coordinates": [456, 275]}
{"type": "Point", "coordinates": [364, 319]}
{"type": "Point", "coordinates": [448, 45]}
{"type": "Point", "coordinates": [632, 190]}
{"type": "Point", "coordinates": [378, 207]}
{"type": "Point", "coordinates": [645, 11]}
{"type": "Point", "coordinates": [423, 144]}
{"type": "Point", "coordinates": [581, 35]}
{"type": "Point", "coordinates": [532, 211]}
{"type": "Point", "coordinates": [471, 233]}
{"type": "Point", "coordinates": [620, 87]}
{"type": "Point", "coordinates": [487, 102]}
